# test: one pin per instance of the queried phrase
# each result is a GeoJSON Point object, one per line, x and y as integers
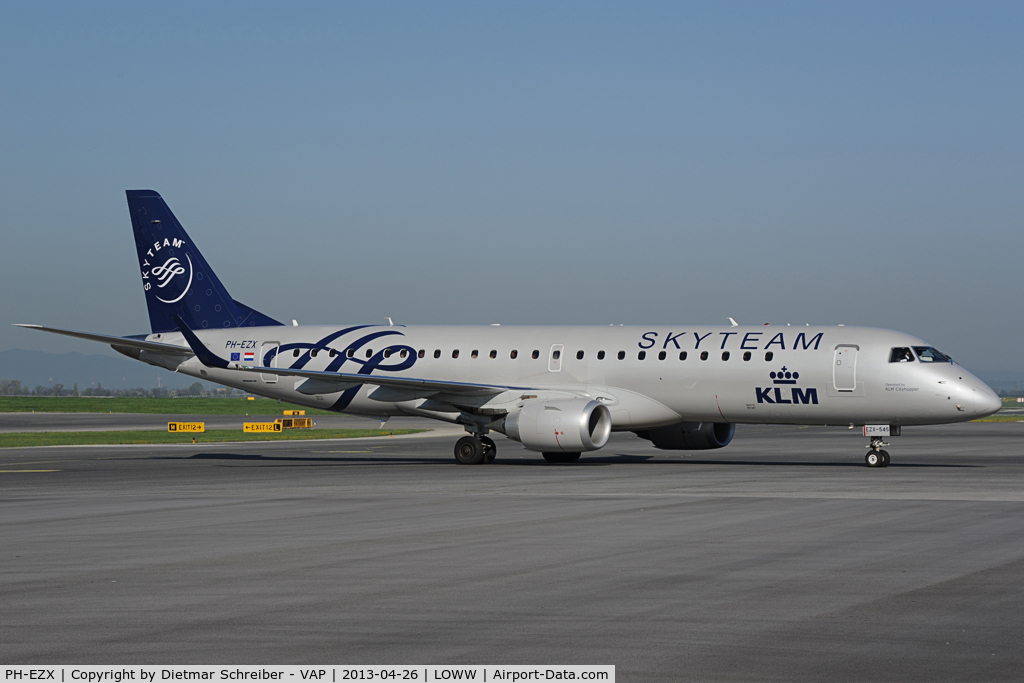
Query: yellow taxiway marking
{"type": "Point", "coordinates": [23, 471]}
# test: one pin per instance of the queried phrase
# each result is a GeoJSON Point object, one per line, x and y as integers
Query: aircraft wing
{"type": "Point", "coordinates": [124, 342]}
{"type": "Point", "coordinates": [339, 381]}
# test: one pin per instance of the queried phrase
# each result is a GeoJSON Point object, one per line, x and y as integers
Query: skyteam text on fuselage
{"type": "Point", "coordinates": [559, 390]}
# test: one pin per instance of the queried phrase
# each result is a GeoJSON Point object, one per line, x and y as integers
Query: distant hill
{"type": "Point", "coordinates": [1010, 382]}
{"type": "Point", "coordinates": [34, 368]}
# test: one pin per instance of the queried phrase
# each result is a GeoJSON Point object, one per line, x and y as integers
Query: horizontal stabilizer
{"type": "Point", "coordinates": [127, 342]}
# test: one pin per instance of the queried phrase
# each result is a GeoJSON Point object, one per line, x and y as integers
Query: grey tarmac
{"type": "Point", "coordinates": [779, 558]}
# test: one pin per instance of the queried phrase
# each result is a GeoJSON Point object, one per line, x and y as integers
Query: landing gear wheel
{"type": "Point", "coordinates": [561, 458]}
{"type": "Point", "coordinates": [885, 458]}
{"type": "Point", "coordinates": [490, 450]}
{"type": "Point", "coordinates": [469, 451]}
{"type": "Point", "coordinates": [874, 459]}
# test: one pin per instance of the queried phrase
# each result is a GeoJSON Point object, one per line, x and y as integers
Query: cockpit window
{"type": "Point", "coordinates": [901, 354]}
{"type": "Point", "coordinates": [927, 354]}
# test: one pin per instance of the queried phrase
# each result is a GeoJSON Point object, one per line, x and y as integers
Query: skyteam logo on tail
{"type": "Point", "coordinates": [796, 394]}
{"type": "Point", "coordinates": [166, 271]}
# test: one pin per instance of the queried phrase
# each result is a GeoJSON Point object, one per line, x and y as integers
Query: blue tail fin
{"type": "Point", "coordinates": [175, 276]}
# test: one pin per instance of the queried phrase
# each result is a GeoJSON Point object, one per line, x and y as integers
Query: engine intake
{"type": "Point", "coordinates": [566, 425]}
{"type": "Point", "coordinates": [690, 436]}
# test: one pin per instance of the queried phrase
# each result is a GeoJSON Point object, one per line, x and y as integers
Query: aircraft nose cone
{"type": "Point", "coordinates": [986, 402]}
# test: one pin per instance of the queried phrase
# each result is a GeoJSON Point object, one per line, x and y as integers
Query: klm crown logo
{"type": "Point", "coordinates": [784, 376]}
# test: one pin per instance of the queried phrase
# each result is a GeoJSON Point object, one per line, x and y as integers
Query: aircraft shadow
{"type": "Point", "coordinates": [654, 460]}
{"type": "Point", "coordinates": [591, 461]}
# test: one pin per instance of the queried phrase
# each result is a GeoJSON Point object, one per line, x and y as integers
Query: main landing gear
{"type": "Point", "coordinates": [877, 457]}
{"type": "Point", "coordinates": [475, 450]}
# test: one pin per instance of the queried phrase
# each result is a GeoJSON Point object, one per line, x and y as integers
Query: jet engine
{"type": "Point", "coordinates": [690, 436]}
{"type": "Point", "coordinates": [559, 425]}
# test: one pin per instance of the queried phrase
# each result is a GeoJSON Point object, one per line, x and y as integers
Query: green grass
{"type": "Point", "coordinates": [168, 406]}
{"type": "Point", "coordinates": [1001, 418]}
{"type": "Point", "coordinates": [23, 439]}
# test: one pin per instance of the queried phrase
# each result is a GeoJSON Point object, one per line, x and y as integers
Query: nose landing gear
{"type": "Point", "coordinates": [877, 457]}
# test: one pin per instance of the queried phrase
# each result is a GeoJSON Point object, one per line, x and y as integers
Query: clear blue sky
{"type": "Point", "coordinates": [856, 163]}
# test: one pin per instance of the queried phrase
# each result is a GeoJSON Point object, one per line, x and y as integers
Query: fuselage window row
{"type": "Point", "coordinates": [556, 354]}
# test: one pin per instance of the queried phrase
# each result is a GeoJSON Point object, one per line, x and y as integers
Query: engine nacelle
{"type": "Point", "coordinates": [691, 436]}
{"type": "Point", "coordinates": [559, 425]}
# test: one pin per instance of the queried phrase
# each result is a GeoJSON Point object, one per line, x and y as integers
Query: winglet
{"type": "Point", "coordinates": [205, 355]}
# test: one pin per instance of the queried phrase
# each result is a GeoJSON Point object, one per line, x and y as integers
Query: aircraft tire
{"type": "Point", "coordinates": [874, 459]}
{"type": "Point", "coordinates": [490, 449]}
{"type": "Point", "coordinates": [885, 458]}
{"type": "Point", "coordinates": [469, 451]}
{"type": "Point", "coordinates": [561, 458]}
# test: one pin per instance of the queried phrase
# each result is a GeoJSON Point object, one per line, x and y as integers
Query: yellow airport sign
{"type": "Point", "coordinates": [261, 427]}
{"type": "Point", "coordinates": [295, 412]}
{"type": "Point", "coordinates": [192, 427]}
{"type": "Point", "coordinates": [295, 422]}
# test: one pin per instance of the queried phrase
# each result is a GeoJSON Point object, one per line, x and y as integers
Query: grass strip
{"type": "Point", "coordinates": [23, 439]}
{"type": "Point", "coordinates": [150, 406]}
{"type": "Point", "coordinates": [1001, 418]}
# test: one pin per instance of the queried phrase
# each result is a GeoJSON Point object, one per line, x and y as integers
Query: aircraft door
{"type": "Point", "coordinates": [844, 368]}
{"type": "Point", "coordinates": [555, 357]}
{"type": "Point", "coordinates": [270, 347]}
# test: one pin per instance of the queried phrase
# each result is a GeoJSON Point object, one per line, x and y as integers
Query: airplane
{"type": "Point", "coordinates": [558, 390]}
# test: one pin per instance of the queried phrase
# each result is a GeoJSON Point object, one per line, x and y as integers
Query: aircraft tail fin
{"type": "Point", "coordinates": [176, 278]}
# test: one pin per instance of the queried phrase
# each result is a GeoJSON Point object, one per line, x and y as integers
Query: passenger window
{"type": "Point", "coordinates": [641, 355]}
{"type": "Point", "coordinates": [295, 353]}
{"type": "Point", "coordinates": [600, 355]}
{"type": "Point", "coordinates": [313, 352]}
{"type": "Point", "coordinates": [769, 355]}
{"type": "Point", "coordinates": [535, 355]}
{"type": "Point", "coordinates": [555, 355]}
{"type": "Point", "coordinates": [403, 354]}
{"type": "Point", "coordinates": [928, 354]}
{"type": "Point", "coordinates": [579, 355]}
{"type": "Point", "coordinates": [725, 355]}
{"type": "Point", "coordinates": [422, 353]}
{"type": "Point", "coordinates": [513, 354]}
{"type": "Point", "coordinates": [350, 352]}
{"type": "Point", "coordinates": [369, 353]}
{"type": "Point", "coordinates": [746, 355]}
{"type": "Point", "coordinates": [901, 354]}
{"type": "Point", "coordinates": [455, 353]}
{"type": "Point", "coordinates": [622, 354]}
{"type": "Point", "coordinates": [387, 353]}
{"type": "Point", "coordinates": [474, 354]}
{"type": "Point", "coordinates": [703, 355]}
{"type": "Point", "coordinates": [682, 355]}
{"type": "Point", "coordinates": [661, 355]}
{"type": "Point", "coordinates": [437, 353]}
{"type": "Point", "coordinates": [494, 353]}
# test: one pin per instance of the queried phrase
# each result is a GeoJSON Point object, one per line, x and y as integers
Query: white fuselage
{"type": "Point", "coordinates": [647, 376]}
